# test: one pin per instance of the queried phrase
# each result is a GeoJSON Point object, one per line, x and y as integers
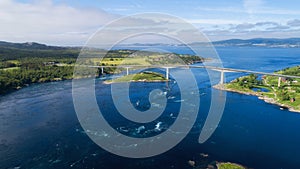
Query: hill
{"type": "Point", "coordinates": [11, 51]}
{"type": "Point", "coordinates": [261, 42]}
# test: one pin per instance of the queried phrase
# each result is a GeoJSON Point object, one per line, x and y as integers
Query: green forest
{"type": "Point", "coordinates": [22, 64]}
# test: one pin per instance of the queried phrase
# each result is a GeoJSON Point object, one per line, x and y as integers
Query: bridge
{"type": "Point", "coordinates": [222, 70]}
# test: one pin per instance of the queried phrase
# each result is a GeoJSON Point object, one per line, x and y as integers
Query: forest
{"type": "Point", "coordinates": [22, 64]}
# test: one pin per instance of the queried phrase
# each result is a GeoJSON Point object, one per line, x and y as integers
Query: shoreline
{"type": "Point", "coordinates": [136, 81]}
{"type": "Point", "coordinates": [259, 96]}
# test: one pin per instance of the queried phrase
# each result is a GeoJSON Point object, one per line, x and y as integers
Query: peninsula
{"type": "Point", "coordinates": [284, 92]}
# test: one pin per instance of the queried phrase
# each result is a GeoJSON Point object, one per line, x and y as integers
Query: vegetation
{"type": "Point", "coordinates": [146, 76]}
{"type": "Point", "coordinates": [22, 64]}
{"type": "Point", "coordinates": [13, 79]}
{"type": "Point", "coordinates": [229, 166]}
{"type": "Point", "coordinates": [284, 91]}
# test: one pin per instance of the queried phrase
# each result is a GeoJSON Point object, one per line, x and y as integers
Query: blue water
{"type": "Point", "coordinates": [39, 127]}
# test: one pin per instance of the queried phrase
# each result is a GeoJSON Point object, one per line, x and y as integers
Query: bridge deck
{"type": "Point", "coordinates": [220, 69]}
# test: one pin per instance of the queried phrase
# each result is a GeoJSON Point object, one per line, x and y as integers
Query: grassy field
{"type": "Point", "coordinates": [11, 68]}
{"type": "Point", "coordinates": [154, 59]}
{"type": "Point", "coordinates": [142, 76]}
{"type": "Point", "coordinates": [229, 166]}
{"type": "Point", "coordinates": [17, 62]}
{"type": "Point", "coordinates": [286, 94]}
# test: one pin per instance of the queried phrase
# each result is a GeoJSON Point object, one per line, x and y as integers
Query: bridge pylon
{"type": "Point", "coordinates": [222, 77]}
{"type": "Point", "coordinates": [127, 70]}
{"type": "Point", "coordinates": [167, 73]}
{"type": "Point", "coordinates": [102, 70]}
{"type": "Point", "coordinates": [279, 81]}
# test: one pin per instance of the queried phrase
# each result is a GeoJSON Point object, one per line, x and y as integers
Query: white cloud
{"type": "Point", "coordinates": [295, 23]}
{"type": "Point", "coordinates": [59, 24]}
{"type": "Point", "coordinates": [256, 30]}
{"type": "Point", "coordinates": [46, 22]}
{"type": "Point", "coordinates": [213, 21]}
{"type": "Point", "coordinates": [257, 8]}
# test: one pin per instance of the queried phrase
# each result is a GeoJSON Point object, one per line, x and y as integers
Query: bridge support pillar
{"type": "Point", "coordinates": [102, 70]}
{"type": "Point", "coordinates": [279, 81]}
{"type": "Point", "coordinates": [127, 71]}
{"type": "Point", "coordinates": [222, 77]}
{"type": "Point", "coordinates": [167, 73]}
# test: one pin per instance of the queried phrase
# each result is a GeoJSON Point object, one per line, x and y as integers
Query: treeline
{"type": "Point", "coordinates": [13, 53]}
{"type": "Point", "coordinates": [18, 78]}
{"type": "Point", "coordinates": [7, 64]}
{"type": "Point", "coordinates": [294, 71]}
{"type": "Point", "coordinates": [22, 64]}
{"type": "Point", "coordinates": [191, 59]}
{"type": "Point", "coordinates": [248, 81]}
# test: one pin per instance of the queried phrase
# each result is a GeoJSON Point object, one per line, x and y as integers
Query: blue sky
{"type": "Point", "coordinates": [72, 22]}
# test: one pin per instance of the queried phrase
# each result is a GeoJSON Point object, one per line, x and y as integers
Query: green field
{"type": "Point", "coordinates": [146, 76]}
{"type": "Point", "coordinates": [151, 59]}
{"type": "Point", "coordinates": [286, 94]}
{"type": "Point", "coordinates": [229, 166]}
{"type": "Point", "coordinates": [11, 68]}
{"type": "Point", "coordinates": [118, 61]}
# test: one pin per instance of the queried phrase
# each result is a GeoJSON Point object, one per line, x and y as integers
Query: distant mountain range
{"type": "Point", "coordinates": [257, 42]}
{"type": "Point", "coordinates": [261, 42]}
{"type": "Point", "coordinates": [33, 45]}
{"type": "Point", "coordinates": [28, 45]}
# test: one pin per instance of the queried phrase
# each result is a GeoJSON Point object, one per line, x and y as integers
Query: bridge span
{"type": "Point", "coordinates": [222, 70]}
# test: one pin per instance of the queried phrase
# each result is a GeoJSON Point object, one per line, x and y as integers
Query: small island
{"type": "Point", "coordinates": [228, 165]}
{"type": "Point", "coordinates": [284, 92]}
{"type": "Point", "coordinates": [209, 163]}
{"type": "Point", "coordinates": [145, 76]}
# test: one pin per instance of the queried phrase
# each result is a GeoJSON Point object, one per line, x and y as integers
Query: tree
{"type": "Point", "coordinates": [283, 95]}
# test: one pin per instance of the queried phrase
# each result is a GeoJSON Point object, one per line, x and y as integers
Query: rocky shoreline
{"type": "Point", "coordinates": [259, 95]}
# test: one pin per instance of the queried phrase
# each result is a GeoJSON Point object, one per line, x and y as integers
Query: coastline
{"type": "Point", "coordinates": [259, 95]}
{"type": "Point", "coordinates": [135, 81]}
{"type": "Point", "coordinates": [27, 85]}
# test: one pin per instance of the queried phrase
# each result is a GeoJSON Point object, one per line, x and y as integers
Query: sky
{"type": "Point", "coordinates": [73, 22]}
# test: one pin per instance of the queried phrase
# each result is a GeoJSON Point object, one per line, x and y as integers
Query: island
{"type": "Point", "coordinates": [145, 76]}
{"type": "Point", "coordinates": [228, 165]}
{"type": "Point", "coordinates": [281, 91]}
{"type": "Point", "coordinates": [205, 161]}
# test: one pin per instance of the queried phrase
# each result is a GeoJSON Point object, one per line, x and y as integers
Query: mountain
{"type": "Point", "coordinates": [10, 51]}
{"type": "Point", "coordinates": [261, 42]}
{"type": "Point", "coordinates": [29, 45]}
{"type": "Point", "coordinates": [256, 42]}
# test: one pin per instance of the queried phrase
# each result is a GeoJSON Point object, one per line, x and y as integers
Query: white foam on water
{"type": "Point", "coordinates": [140, 129]}
{"type": "Point", "coordinates": [171, 97]}
{"type": "Point", "coordinates": [158, 126]}
{"type": "Point", "coordinates": [177, 101]}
